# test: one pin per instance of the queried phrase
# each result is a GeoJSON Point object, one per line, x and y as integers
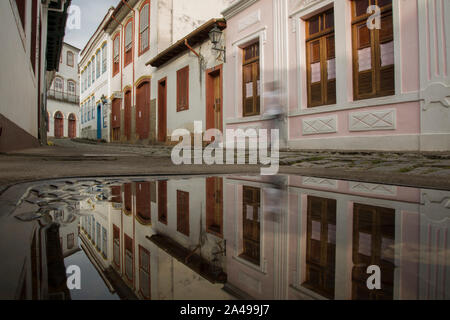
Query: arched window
{"type": "Point", "coordinates": [71, 87]}
{"type": "Point", "coordinates": [116, 57]}
{"type": "Point", "coordinates": [104, 52]}
{"type": "Point", "coordinates": [144, 28]}
{"type": "Point", "coordinates": [59, 84]}
{"type": "Point", "coordinates": [93, 70]}
{"type": "Point", "coordinates": [98, 64]}
{"type": "Point", "coordinates": [128, 50]}
{"type": "Point", "coordinates": [70, 60]}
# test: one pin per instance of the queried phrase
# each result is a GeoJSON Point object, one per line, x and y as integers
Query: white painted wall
{"type": "Point", "coordinates": [18, 83]}
{"type": "Point", "coordinates": [197, 87]}
{"type": "Point", "coordinates": [66, 73]}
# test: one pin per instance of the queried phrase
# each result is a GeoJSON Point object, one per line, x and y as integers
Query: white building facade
{"type": "Point", "coordinates": [139, 31]}
{"type": "Point", "coordinates": [63, 98]}
{"type": "Point", "coordinates": [188, 87]}
{"type": "Point", "coordinates": [29, 57]}
{"type": "Point", "coordinates": [95, 62]}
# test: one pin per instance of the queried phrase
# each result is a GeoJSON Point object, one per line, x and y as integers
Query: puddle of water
{"type": "Point", "coordinates": [230, 237]}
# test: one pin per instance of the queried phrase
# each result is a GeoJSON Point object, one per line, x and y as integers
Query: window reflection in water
{"type": "Point", "coordinates": [240, 237]}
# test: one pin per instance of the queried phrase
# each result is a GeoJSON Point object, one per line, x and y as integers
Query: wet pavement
{"type": "Point", "coordinates": [68, 159]}
{"type": "Point", "coordinates": [286, 237]}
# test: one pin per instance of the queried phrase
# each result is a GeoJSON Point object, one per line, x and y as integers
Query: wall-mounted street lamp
{"type": "Point", "coordinates": [215, 35]}
{"type": "Point", "coordinates": [104, 100]}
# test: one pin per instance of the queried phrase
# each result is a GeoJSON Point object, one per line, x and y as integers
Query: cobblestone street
{"type": "Point", "coordinates": [69, 158]}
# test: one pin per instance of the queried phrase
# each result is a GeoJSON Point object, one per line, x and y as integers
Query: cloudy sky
{"type": "Point", "coordinates": [92, 13]}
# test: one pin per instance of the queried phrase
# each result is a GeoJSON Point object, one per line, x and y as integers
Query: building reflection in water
{"type": "Point", "coordinates": [283, 237]}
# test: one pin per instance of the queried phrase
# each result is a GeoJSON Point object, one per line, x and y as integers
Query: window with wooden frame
{"type": "Point", "coordinates": [70, 241]}
{"type": "Point", "coordinates": [104, 243]}
{"type": "Point", "coordinates": [128, 48]}
{"type": "Point", "coordinates": [183, 89]}
{"type": "Point", "coordinates": [116, 193]}
{"type": "Point", "coordinates": [321, 246]}
{"type": "Point", "coordinates": [143, 208]}
{"type": "Point", "coordinates": [251, 246]}
{"type": "Point", "coordinates": [321, 59]}
{"type": "Point", "coordinates": [251, 87]}
{"type": "Point", "coordinates": [104, 58]}
{"type": "Point", "coordinates": [98, 62]}
{"type": "Point", "coordinates": [373, 244]}
{"type": "Point", "coordinates": [59, 84]}
{"type": "Point", "coordinates": [93, 230]}
{"type": "Point", "coordinates": [129, 258]}
{"type": "Point", "coordinates": [71, 87]}
{"type": "Point", "coordinates": [116, 246]}
{"type": "Point", "coordinates": [373, 51]}
{"type": "Point", "coordinates": [22, 8]}
{"type": "Point", "coordinates": [183, 212]}
{"type": "Point", "coordinates": [93, 70]}
{"type": "Point", "coordinates": [116, 54]}
{"type": "Point", "coordinates": [162, 201]}
{"type": "Point", "coordinates": [98, 239]}
{"type": "Point", "coordinates": [144, 273]}
{"type": "Point", "coordinates": [70, 58]}
{"type": "Point", "coordinates": [144, 28]}
{"type": "Point", "coordinates": [127, 198]}
{"type": "Point", "coordinates": [89, 74]}
{"type": "Point", "coordinates": [82, 81]}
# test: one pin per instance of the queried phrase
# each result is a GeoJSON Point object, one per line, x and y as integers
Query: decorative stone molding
{"type": "Point", "coordinates": [237, 7]}
{"type": "Point", "coordinates": [373, 120]}
{"type": "Point", "coordinates": [434, 93]}
{"type": "Point", "coordinates": [319, 182]}
{"type": "Point", "coordinates": [320, 125]}
{"type": "Point", "coordinates": [249, 20]}
{"type": "Point", "coordinates": [375, 189]}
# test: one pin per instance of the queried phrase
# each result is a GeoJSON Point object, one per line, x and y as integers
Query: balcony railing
{"type": "Point", "coordinates": [63, 96]}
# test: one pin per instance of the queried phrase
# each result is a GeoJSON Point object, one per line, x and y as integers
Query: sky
{"type": "Point", "coordinates": [92, 13]}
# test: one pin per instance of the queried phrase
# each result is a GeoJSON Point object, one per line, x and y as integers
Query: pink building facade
{"type": "Point", "coordinates": [344, 83]}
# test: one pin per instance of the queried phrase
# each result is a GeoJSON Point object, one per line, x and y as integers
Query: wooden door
{"type": "Point", "coordinates": [162, 201]}
{"type": "Point", "coordinates": [214, 114]}
{"type": "Point", "coordinates": [162, 110]}
{"type": "Point", "coordinates": [214, 206]}
{"type": "Point", "coordinates": [143, 202]}
{"type": "Point", "coordinates": [59, 125]}
{"type": "Point", "coordinates": [251, 225]}
{"type": "Point", "coordinates": [115, 119]}
{"type": "Point", "coordinates": [72, 126]}
{"type": "Point", "coordinates": [143, 111]}
{"type": "Point", "coordinates": [127, 124]}
{"type": "Point", "coordinates": [127, 198]}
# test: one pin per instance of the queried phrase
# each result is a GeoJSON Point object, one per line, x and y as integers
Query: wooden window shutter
{"type": "Point", "coordinates": [321, 60]}
{"type": "Point", "coordinates": [373, 52]}
{"type": "Point", "coordinates": [183, 212]}
{"type": "Point", "coordinates": [183, 89]}
{"type": "Point", "coordinates": [251, 80]}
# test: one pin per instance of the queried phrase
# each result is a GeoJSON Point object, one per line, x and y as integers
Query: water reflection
{"type": "Point", "coordinates": [232, 237]}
